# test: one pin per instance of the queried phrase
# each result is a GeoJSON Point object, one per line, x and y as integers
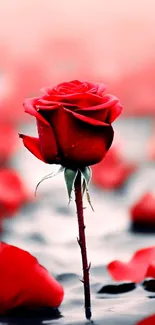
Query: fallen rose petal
{"type": "Point", "coordinates": [113, 171]}
{"type": "Point", "coordinates": [12, 192]}
{"type": "Point", "coordinates": [147, 321]}
{"type": "Point", "coordinates": [24, 282]}
{"type": "Point", "coordinates": [136, 270]}
{"type": "Point", "coordinates": [143, 211]}
{"type": "Point", "coordinates": [151, 270]}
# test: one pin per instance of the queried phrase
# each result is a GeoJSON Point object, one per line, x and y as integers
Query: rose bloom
{"type": "Point", "coordinates": [74, 123]}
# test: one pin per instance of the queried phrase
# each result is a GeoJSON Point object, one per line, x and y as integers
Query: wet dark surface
{"type": "Point", "coordinates": [117, 288]}
{"type": "Point", "coordinates": [48, 229]}
{"type": "Point", "coordinates": [149, 285]}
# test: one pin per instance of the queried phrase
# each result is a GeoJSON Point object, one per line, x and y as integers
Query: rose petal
{"type": "Point", "coordinates": [78, 99]}
{"type": "Point", "coordinates": [33, 145]}
{"type": "Point", "coordinates": [102, 111]}
{"type": "Point", "coordinates": [144, 209]}
{"type": "Point", "coordinates": [48, 145]}
{"type": "Point", "coordinates": [147, 321]}
{"type": "Point", "coordinates": [47, 105]}
{"type": "Point", "coordinates": [74, 86]}
{"type": "Point", "coordinates": [86, 119]}
{"type": "Point", "coordinates": [107, 102]}
{"type": "Point", "coordinates": [78, 137]}
{"type": "Point", "coordinates": [151, 270]}
{"type": "Point", "coordinates": [136, 269]}
{"type": "Point", "coordinates": [25, 283]}
{"type": "Point", "coordinates": [115, 111]}
{"type": "Point", "coordinates": [29, 105]}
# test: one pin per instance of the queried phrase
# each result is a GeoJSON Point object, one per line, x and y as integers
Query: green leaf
{"type": "Point", "coordinates": [70, 177]}
{"type": "Point", "coordinates": [51, 175]}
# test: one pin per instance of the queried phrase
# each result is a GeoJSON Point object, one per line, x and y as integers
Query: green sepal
{"type": "Point", "coordinates": [86, 173]}
{"type": "Point", "coordinates": [70, 177]}
{"type": "Point", "coordinates": [51, 175]}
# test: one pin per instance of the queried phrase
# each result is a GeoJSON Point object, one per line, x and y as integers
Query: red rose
{"type": "Point", "coordinates": [24, 282]}
{"type": "Point", "coordinates": [74, 123]}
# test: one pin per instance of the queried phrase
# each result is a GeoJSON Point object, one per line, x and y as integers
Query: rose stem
{"type": "Point", "coordinates": [82, 244]}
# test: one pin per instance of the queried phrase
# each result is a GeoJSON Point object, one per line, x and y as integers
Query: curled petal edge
{"type": "Point", "coordinates": [29, 105]}
{"type": "Point", "coordinates": [86, 119]}
{"type": "Point", "coordinates": [115, 112]}
{"type": "Point", "coordinates": [33, 145]}
{"type": "Point", "coordinates": [111, 102]}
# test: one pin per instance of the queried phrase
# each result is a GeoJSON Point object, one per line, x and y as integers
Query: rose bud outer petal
{"type": "Point", "coordinates": [102, 111]}
{"type": "Point", "coordinates": [114, 112]}
{"type": "Point", "coordinates": [108, 101]}
{"type": "Point", "coordinates": [82, 141]}
{"type": "Point", "coordinates": [30, 108]}
{"type": "Point", "coordinates": [48, 143]}
{"type": "Point", "coordinates": [33, 145]}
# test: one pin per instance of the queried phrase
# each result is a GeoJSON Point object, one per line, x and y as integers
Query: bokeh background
{"type": "Point", "coordinates": [43, 42]}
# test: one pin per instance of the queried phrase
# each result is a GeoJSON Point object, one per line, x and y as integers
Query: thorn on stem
{"type": "Point", "coordinates": [89, 266]}
{"type": "Point", "coordinates": [78, 240]}
{"type": "Point", "coordinates": [81, 280]}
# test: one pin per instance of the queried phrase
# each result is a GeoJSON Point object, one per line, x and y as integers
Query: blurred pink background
{"type": "Point", "coordinates": [43, 42]}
